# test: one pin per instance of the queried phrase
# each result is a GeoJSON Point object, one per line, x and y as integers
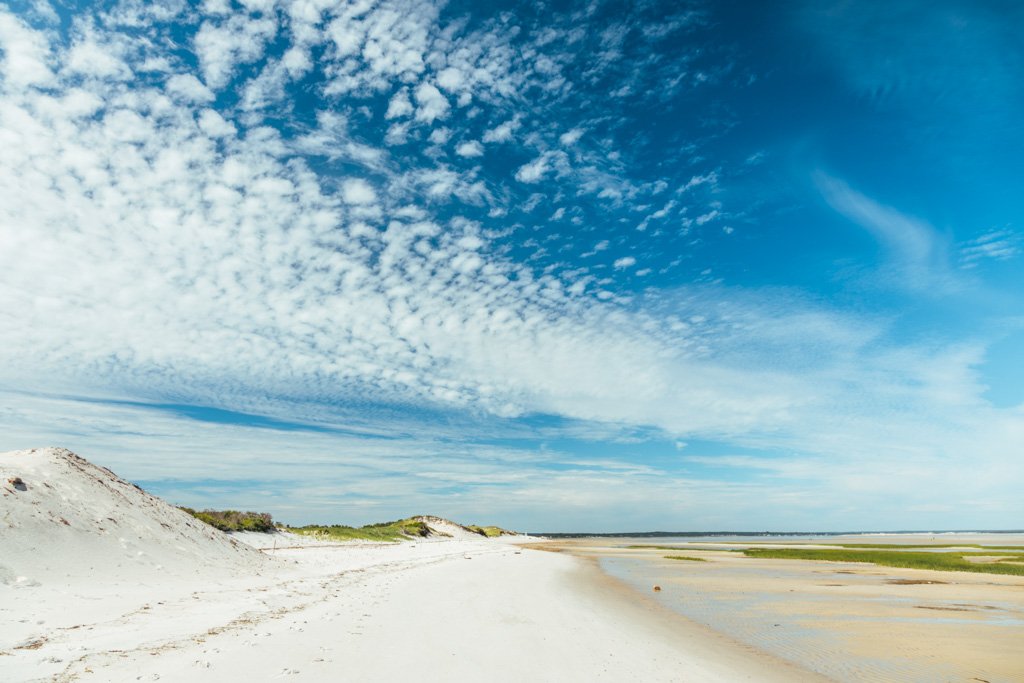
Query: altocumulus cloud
{"type": "Point", "coordinates": [283, 210]}
{"type": "Point", "coordinates": [156, 242]}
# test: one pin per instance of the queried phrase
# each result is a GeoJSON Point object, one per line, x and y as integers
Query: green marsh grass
{"type": "Point", "coordinates": [676, 547]}
{"type": "Point", "coordinates": [897, 546]}
{"type": "Point", "coordinates": [685, 557]}
{"type": "Point", "coordinates": [945, 561]}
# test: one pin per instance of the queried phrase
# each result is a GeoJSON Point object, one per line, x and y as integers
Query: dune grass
{"type": "Point", "coordinates": [685, 557]}
{"type": "Point", "coordinates": [489, 531]}
{"type": "Point", "coordinates": [233, 520]}
{"type": "Point", "coordinates": [945, 561]}
{"type": "Point", "coordinates": [398, 530]}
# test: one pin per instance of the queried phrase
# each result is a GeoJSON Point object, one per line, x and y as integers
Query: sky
{"type": "Point", "coordinates": [557, 266]}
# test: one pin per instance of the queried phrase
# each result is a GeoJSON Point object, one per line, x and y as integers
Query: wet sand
{"type": "Point", "coordinates": [846, 621]}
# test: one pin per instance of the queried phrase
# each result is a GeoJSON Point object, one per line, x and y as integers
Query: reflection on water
{"type": "Point", "coordinates": [842, 634]}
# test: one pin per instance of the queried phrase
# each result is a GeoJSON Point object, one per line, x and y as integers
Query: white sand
{"type": "Point", "coordinates": [198, 606]}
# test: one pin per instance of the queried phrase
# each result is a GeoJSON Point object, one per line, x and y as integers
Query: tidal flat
{"type": "Point", "coordinates": [801, 602]}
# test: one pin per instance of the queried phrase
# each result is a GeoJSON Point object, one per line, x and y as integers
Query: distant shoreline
{"type": "Point", "coordinates": [747, 534]}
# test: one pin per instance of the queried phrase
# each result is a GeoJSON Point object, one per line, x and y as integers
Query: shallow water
{"type": "Point", "coordinates": [864, 630]}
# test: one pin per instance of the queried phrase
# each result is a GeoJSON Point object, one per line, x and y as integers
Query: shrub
{"type": "Point", "coordinates": [233, 520]}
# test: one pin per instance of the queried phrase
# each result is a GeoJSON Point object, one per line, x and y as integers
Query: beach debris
{"type": "Point", "coordinates": [31, 643]}
{"type": "Point", "coordinates": [657, 589]}
{"type": "Point", "coordinates": [18, 483]}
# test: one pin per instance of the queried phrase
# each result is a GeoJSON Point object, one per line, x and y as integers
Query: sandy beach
{"type": "Point", "coordinates": [102, 582]}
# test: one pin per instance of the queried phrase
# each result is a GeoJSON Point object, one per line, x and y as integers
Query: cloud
{"type": "Point", "coordinates": [536, 170]}
{"type": "Point", "coordinates": [706, 217]}
{"type": "Point", "coordinates": [571, 137]}
{"type": "Point", "coordinates": [451, 79]}
{"type": "Point", "coordinates": [624, 262]}
{"type": "Point", "coordinates": [223, 45]}
{"type": "Point", "coordinates": [358, 191]}
{"type": "Point", "coordinates": [287, 239]}
{"type": "Point", "coordinates": [917, 252]}
{"type": "Point", "coordinates": [998, 245]}
{"type": "Point", "coordinates": [25, 53]}
{"type": "Point", "coordinates": [503, 132]}
{"type": "Point", "coordinates": [470, 149]}
{"type": "Point", "coordinates": [93, 60]}
{"type": "Point", "coordinates": [190, 88]}
{"type": "Point", "coordinates": [432, 104]}
{"type": "Point", "coordinates": [399, 105]}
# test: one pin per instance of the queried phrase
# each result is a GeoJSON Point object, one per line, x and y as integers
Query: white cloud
{"type": "Point", "coordinates": [155, 246]}
{"type": "Point", "coordinates": [190, 88]}
{"type": "Point", "coordinates": [706, 217]}
{"type": "Point", "coordinates": [92, 59]}
{"type": "Point", "coordinates": [399, 105]}
{"type": "Point", "coordinates": [440, 136]}
{"type": "Point", "coordinates": [571, 137]}
{"type": "Point", "coordinates": [624, 262]}
{"type": "Point", "coordinates": [25, 53]}
{"type": "Point", "coordinates": [999, 245]}
{"type": "Point", "coordinates": [215, 125]}
{"type": "Point", "coordinates": [221, 46]}
{"type": "Point", "coordinates": [451, 79]}
{"type": "Point", "coordinates": [534, 171]}
{"type": "Point", "coordinates": [470, 148]}
{"type": "Point", "coordinates": [918, 254]}
{"type": "Point", "coordinates": [432, 105]}
{"type": "Point", "coordinates": [358, 191]}
{"type": "Point", "coordinates": [698, 180]}
{"type": "Point", "coordinates": [503, 132]}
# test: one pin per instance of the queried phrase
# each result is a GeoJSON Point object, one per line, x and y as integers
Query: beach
{"type": "Point", "coordinates": [431, 611]}
{"type": "Point", "coordinates": [103, 582]}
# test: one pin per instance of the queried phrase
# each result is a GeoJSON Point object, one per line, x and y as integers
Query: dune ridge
{"type": "Point", "coordinates": [69, 520]}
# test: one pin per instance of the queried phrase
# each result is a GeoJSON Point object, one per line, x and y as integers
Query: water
{"type": "Point", "coordinates": [846, 621]}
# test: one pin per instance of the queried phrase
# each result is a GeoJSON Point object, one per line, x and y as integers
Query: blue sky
{"type": "Point", "coordinates": [556, 266]}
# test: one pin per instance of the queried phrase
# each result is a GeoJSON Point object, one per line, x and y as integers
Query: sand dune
{"type": "Point", "coordinates": [107, 583]}
{"type": "Point", "coordinates": [69, 520]}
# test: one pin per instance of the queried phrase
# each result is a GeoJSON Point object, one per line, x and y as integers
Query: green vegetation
{"type": "Point", "coordinates": [685, 557]}
{"type": "Point", "coordinates": [879, 546]}
{"type": "Point", "coordinates": [489, 531]}
{"type": "Point", "coordinates": [233, 520]}
{"type": "Point", "coordinates": [945, 561]}
{"type": "Point", "coordinates": [676, 547]}
{"type": "Point", "coordinates": [897, 546]}
{"type": "Point", "coordinates": [399, 530]}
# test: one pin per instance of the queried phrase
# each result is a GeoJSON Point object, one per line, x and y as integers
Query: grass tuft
{"type": "Point", "coordinates": [685, 557]}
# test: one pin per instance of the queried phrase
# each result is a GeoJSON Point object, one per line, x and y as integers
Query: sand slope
{"type": "Point", "coordinates": [447, 528]}
{"type": "Point", "coordinates": [68, 520]}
